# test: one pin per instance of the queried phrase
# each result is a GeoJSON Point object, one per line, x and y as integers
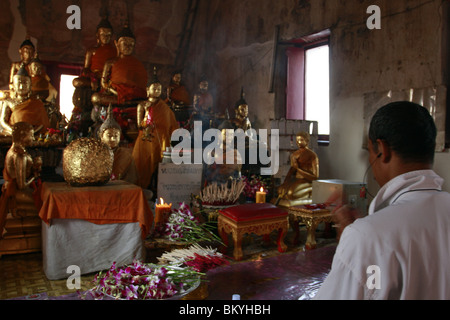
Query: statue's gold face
{"type": "Point", "coordinates": [27, 138]}
{"type": "Point", "coordinates": [125, 45]}
{"type": "Point", "coordinates": [104, 35]}
{"type": "Point", "coordinates": [302, 142]}
{"type": "Point", "coordinates": [22, 85]}
{"type": "Point", "coordinates": [243, 110]}
{"type": "Point", "coordinates": [111, 137]}
{"type": "Point", "coordinates": [26, 53]}
{"type": "Point", "coordinates": [35, 69]}
{"type": "Point", "coordinates": [154, 91]}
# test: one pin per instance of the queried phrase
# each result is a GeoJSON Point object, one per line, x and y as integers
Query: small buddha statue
{"type": "Point", "coordinates": [97, 56]}
{"type": "Point", "coordinates": [20, 173]}
{"type": "Point", "coordinates": [177, 94]}
{"type": "Point", "coordinates": [27, 52]}
{"type": "Point", "coordinates": [241, 120]}
{"type": "Point", "coordinates": [41, 86]}
{"type": "Point", "coordinates": [297, 186]}
{"type": "Point", "coordinates": [203, 100]}
{"type": "Point", "coordinates": [22, 107]}
{"type": "Point", "coordinates": [124, 78]}
{"type": "Point", "coordinates": [110, 133]}
{"type": "Point", "coordinates": [156, 122]}
{"type": "Point", "coordinates": [224, 172]}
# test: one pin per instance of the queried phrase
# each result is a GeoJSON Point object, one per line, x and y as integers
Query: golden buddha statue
{"type": "Point", "coordinates": [110, 134]}
{"type": "Point", "coordinates": [297, 186]}
{"type": "Point", "coordinates": [124, 78]}
{"type": "Point", "coordinates": [224, 172]}
{"type": "Point", "coordinates": [27, 52]}
{"type": "Point", "coordinates": [19, 195]}
{"type": "Point", "coordinates": [22, 107]}
{"type": "Point", "coordinates": [41, 86]}
{"type": "Point", "coordinates": [96, 57]}
{"type": "Point", "coordinates": [156, 122]}
{"type": "Point", "coordinates": [241, 120]}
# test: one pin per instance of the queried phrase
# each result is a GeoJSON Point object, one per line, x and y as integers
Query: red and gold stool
{"type": "Point", "coordinates": [258, 218]}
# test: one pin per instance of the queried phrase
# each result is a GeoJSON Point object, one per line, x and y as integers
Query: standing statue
{"type": "Point", "coordinates": [22, 107]}
{"type": "Point", "coordinates": [110, 134]}
{"type": "Point", "coordinates": [124, 78]}
{"type": "Point", "coordinates": [19, 192]}
{"type": "Point", "coordinates": [297, 186]}
{"type": "Point", "coordinates": [156, 122]}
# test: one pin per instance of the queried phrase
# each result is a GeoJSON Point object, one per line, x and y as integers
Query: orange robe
{"type": "Point", "coordinates": [101, 55]}
{"type": "Point", "coordinates": [179, 94]}
{"type": "Point", "coordinates": [129, 77]}
{"type": "Point", "coordinates": [147, 155]}
{"type": "Point", "coordinates": [31, 111]}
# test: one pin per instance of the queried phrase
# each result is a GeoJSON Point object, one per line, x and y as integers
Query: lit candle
{"type": "Point", "coordinates": [161, 210]}
{"type": "Point", "coordinates": [261, 196]}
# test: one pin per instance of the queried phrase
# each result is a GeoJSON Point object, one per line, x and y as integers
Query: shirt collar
{"type": "Point", "coordinates": [420, 179]}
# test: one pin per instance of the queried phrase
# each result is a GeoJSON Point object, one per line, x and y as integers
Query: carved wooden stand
{"type": "Point", "coordinates": [261, 225]}
{"type": "Point", "coordinates": [311, 218]}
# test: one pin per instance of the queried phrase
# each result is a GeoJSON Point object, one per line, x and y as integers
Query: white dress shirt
{"type": "Point", "coordinates": [401, 250]}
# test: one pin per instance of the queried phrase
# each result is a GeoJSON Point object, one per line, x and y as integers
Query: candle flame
{"type": "Point", "coordinates": [161, 200]}
{"type": "Point", "coordinates": [262, 189]}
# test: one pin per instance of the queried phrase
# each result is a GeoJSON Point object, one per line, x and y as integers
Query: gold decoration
{"type": "Point", "coordinates": [87, 162]}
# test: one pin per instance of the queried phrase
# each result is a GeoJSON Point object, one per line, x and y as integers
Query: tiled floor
{"type": "Point", "coordinates": [22, 275]}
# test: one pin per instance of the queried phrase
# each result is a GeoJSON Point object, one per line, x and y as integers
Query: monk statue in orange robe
{"type": "Point", "coordinates": [156, 122]}
{"type": "Point", "coordinates": [177, 94]}
{"type": "Point", "coordinates": [124, 78]}
{"type": "Point", "coordinates": [41, 85]}
{"type": "Point", "coordinates": [22, 107]}
{"type": "Point", "coordinates": [110, 133]}
{"type": "Point", "coordinates": [97, 56]}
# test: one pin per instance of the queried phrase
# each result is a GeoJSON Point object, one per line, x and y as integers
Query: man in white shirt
{"type": "Point", "coordinates": [401, 249]}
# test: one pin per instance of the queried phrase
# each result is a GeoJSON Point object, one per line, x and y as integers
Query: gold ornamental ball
{"type": "Point", "coordinates": [87, 162]}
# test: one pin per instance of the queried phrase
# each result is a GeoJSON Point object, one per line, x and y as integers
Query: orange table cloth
{"type": "Point", "coordinates": [116, 202]}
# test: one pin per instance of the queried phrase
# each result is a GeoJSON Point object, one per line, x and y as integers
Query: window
{"type": "Point", "coordinates": [66, 90]}
{"type": "Point", "coordinates": [307, 88]}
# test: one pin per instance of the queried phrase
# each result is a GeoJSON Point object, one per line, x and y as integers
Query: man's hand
{"type": "Point", "coordinates": [344, 216]}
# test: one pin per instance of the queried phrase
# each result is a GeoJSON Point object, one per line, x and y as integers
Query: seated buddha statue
{"type": "Point", "coordinates": [27, 52]}
{"type": "Point", "coordinates": [96, 57]}
{"type": "Point", "coordinates": [156, 122]}
{"type": "Point", "coordinates": [22, 107]}
{"type": "Point", "coordinates": [241, 120]}
{"type": "Point", "coordinates": [124, 78]}
{"type": "Point", "coordinates": [20, 193]}
{"type": "Point", "coordinates": [41, 87]}
{"type": "Point", "coordinates": [297, 186]}
{"type": "Point", "coordinates": [177, 94]}
{"type": "Point", "coordinates": [110, 134]}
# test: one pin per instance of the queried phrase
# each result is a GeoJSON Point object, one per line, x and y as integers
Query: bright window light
{"type": "Point", "coordinates": [317, 87]}
{"type": "Point", "coordinates": [66, 90]}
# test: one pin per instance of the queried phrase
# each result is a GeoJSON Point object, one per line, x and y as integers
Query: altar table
{"type": "Point", "coordinates": [92, 227]}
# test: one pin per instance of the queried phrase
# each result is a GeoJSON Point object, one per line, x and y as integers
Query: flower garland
{"type": "Point", "coordinates": [140, 281]}
{"type": "Point", "coordinates": [183, 226]}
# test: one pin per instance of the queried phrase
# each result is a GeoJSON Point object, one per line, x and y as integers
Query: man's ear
{"type": "Point", "coordinates": [384, 150]}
